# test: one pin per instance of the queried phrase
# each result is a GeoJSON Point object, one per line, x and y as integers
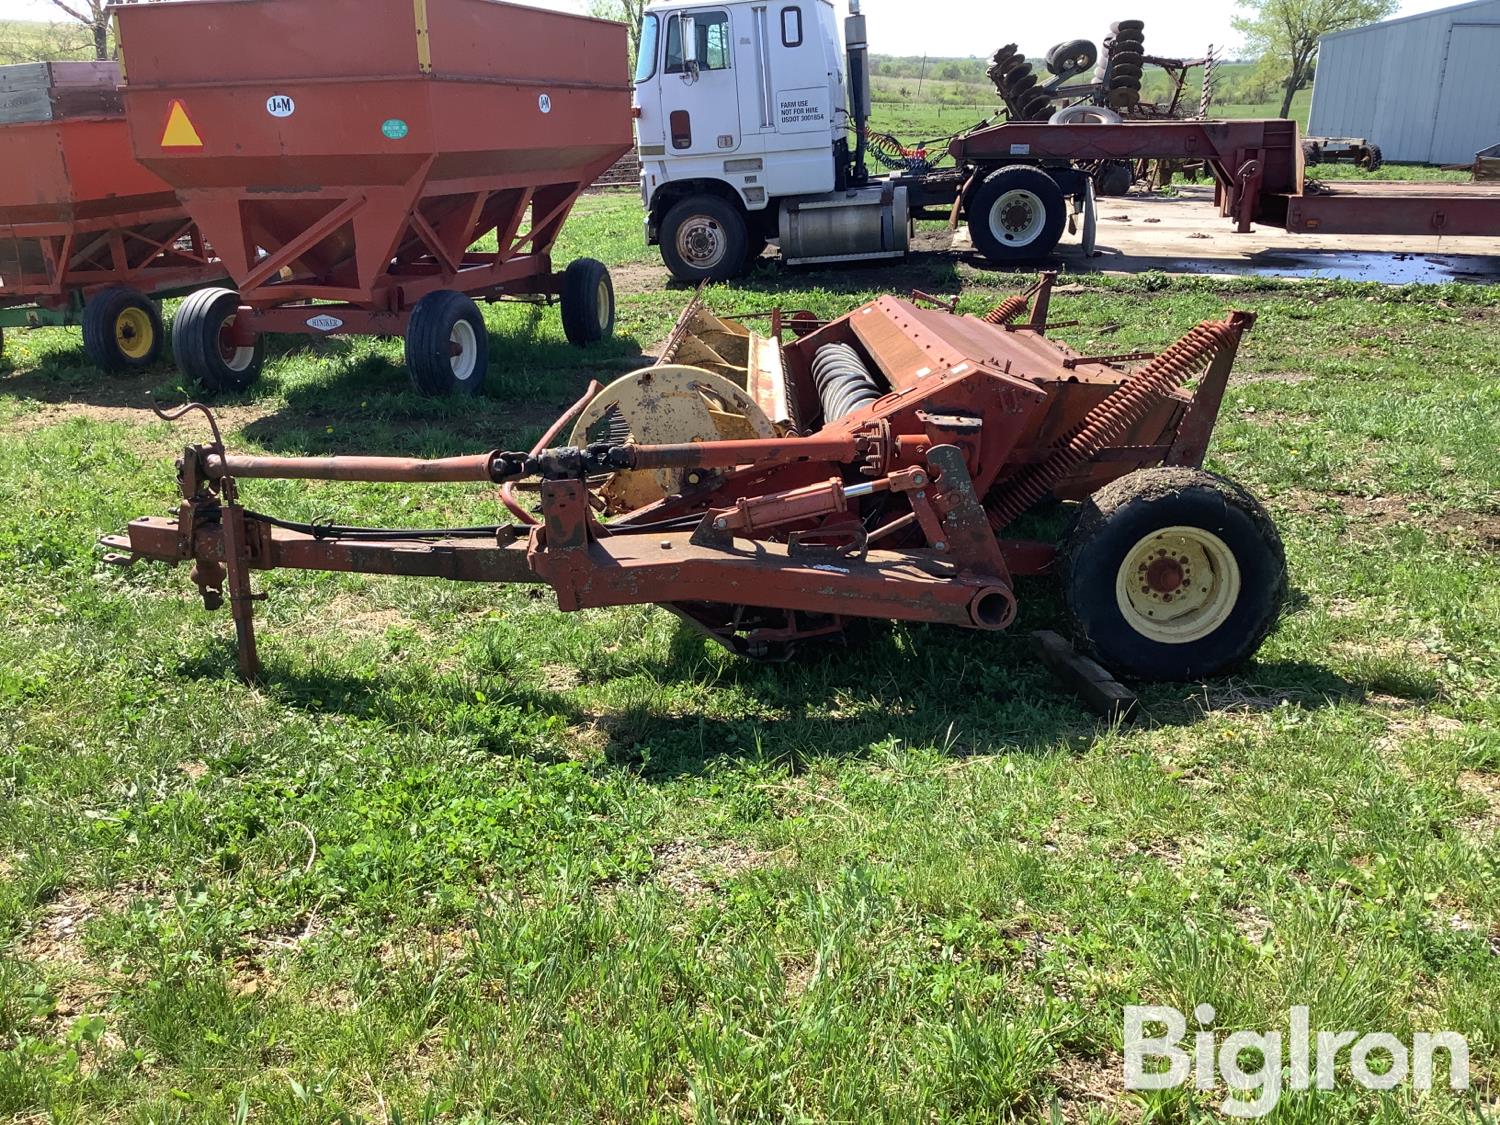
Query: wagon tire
{"type": "Point", "coordinates": [588, 302]}
{"type": "Point", "coordinates": [1372, 159]}
{"type": "Point", "coordinates": [122, 330]}
{"type": "Point", "coordinates": [1017, 215]}
{"type": "Point", "coordinates": [198, 342]}
{"type": "Point", "coordinates": [447, 345]}
{"type": "Point", "coordinates": [704, 238]}
{"type": "Point", "coordinates": [1172, 574]}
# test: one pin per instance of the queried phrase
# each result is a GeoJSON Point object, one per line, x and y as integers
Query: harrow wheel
{"type": "Point", "coordinates": [447, 345]}
{"type": "Point", "coordinates": [122, 330]}
{"type": "Point", "coordinates": [588, 302]}
{"type": "Point", "coordinates": [201, 341]}
{"type": "Point", "coordinates": [1172, 574]}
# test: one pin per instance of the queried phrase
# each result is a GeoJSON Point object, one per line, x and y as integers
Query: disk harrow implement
{"type": "Point", "coordinates": [875, 466]}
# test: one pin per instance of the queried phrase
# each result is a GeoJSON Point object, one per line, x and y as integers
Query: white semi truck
{"type": "Point", "coordinates": [749, 131]}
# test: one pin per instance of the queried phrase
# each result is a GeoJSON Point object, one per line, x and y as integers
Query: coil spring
{"type": "Point", "coordinates": [1006, 311]}
{"type": "Point", "coordinates": [843, 382]}
{"type": "Point", "coordinates": [1107, 422]}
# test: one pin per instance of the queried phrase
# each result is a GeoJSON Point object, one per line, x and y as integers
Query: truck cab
{"type": "Point", "coordinates": [743, 129]}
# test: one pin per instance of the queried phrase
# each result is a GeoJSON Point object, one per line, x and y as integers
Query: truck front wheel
{"type": "Point", "coordinates": [704, 238]}
{"type": "Point", "coordinates": [1017, 215]}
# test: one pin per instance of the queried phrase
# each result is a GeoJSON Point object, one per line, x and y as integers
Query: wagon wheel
{"type": "Point", "coordinates": [588, 302]}
{"type": "Point", "coordinates": [122, 330]}
{"type": "Point", "coordinates": [1172, 574]}
{"type": "Point", "coordinates": [203, 344]}
{"type": "Point", "coordinates": [447, 345]}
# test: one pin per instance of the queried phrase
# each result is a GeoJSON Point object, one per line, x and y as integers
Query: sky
{"type": "Point", "coordinates": [977, 27]}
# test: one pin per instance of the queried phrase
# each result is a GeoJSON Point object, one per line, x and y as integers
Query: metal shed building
{"type": "Point", "coordinates": [1425, 88]}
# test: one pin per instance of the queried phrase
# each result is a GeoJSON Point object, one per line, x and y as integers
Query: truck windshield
{"type": "Point", "coordinates": [645, 63]}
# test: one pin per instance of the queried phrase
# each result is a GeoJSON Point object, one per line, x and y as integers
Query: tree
{"type": "Point", "coordinates": [1285, 32]}
{"type": "Point", "coordinates": [627, 11]}
{"type": "Point", "coordinates": [92, 14]}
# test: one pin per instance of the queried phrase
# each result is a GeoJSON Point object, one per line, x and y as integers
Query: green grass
{"type": "Point", "coordinates": [464, 858]}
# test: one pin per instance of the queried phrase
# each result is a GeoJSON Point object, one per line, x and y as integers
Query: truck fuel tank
{"type": "Point", "coordinates": [868, 222]}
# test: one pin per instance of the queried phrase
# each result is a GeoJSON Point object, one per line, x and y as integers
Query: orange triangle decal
{"type": "Point", "coordinates": [179, 132]}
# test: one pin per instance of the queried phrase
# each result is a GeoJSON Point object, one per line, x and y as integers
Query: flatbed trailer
{"type": "Point", "coordinates": [1258, 170]}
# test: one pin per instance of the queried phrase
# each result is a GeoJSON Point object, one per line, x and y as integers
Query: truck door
{"type": "Point", "coordinates": [699, 96]}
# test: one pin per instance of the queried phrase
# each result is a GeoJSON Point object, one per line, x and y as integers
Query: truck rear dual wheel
{"type": "Point", "coordinates": [202, 343]}
{"type": "Point", "coordinates": [588, 302]}
{"type": "Point", "coordinates": [122, 330]}
{"type": "Point", "coordinates": [704, 238]}
{"type": "Point", "coordinates": [1172, 574]}
{"type": "Point", "coordinates": [1017, 215]}
{"type": "Point", "coordinates": [447, 345]}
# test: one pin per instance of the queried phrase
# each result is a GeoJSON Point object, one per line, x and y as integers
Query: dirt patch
{"type": "Point", "coordinates": [559, 678]}
{"type": "Point", "coordinates": [696, 870]}
{"type": "Point", "coordinates": [56, 941]}
{"type": "Point", "coordinates": [57, 413]}
{"type": "Point", "coordinates": [1485, 786]}
{"type": "Point", "coordinates": [1289, 377]}
{"type": "Point", "coordinates": [797, 975]}
{"type": "Point", "coordinates": [57, 936]}
{"type": "Point", "coordinates": [354, 619]}
{"type": "Point", "coordinates": [1389, 511]}
{"type": "Point", "coordinates": [1086, 1085]}
{"type": "Point", "coordinates": [639, 277]}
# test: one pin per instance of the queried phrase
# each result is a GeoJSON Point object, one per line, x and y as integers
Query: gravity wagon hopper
{"type": "Point", "coordinates": [374, 166]}
{"type": "Point", "coordinates": [87, 236]}
{"type": "Point", "coordinates": [769, 489]}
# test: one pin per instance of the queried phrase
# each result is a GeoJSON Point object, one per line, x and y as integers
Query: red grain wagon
{"type": "Point", "coordinates": [346, 158]}
{"type": "Point", "coordinates": [87, 236]}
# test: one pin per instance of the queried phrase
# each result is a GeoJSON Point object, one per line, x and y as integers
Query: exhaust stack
{"type": "Point", "coordinates": [858, 50]}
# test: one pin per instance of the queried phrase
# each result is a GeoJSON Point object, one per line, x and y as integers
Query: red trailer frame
{"type": "Point", "coordinates": [360, 172]}
{"type": "Point", "coordinates": [87, 234]}
{"type": "Point", "coordinates": [1258, 171]}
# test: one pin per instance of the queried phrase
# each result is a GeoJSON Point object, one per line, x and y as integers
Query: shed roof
{"type": "Point", "coordinates": [1436, 12]}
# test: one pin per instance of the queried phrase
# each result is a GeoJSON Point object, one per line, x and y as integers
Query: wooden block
{"type": "Point", "coordinates": [1100, 691]}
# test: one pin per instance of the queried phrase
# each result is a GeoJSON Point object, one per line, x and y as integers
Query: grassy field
{"type": "Point", "coordinates": [462, 858]}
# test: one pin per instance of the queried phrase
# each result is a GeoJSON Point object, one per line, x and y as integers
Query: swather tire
{"type": "Point", "coordinates": [122, 330]}
{"type": "Point", "coordinates": [1039, 237]}
{"type": "Point", "coordinates": [1121, 524]}
{"type": "Point", "coordinates": [447, 345]}
{"type": "Point", "coordinates": [588, 302]}
{"type": "Point", "coordinates": [715, 222]}
{"type": "Point", "coordinates": [198, 344]}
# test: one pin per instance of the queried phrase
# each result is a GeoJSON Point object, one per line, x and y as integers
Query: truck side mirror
{"type": "Point", "coordinates": [689, 49]}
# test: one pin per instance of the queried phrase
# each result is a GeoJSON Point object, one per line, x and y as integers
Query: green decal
{"type": "Point", "coordinates": [395, 128]}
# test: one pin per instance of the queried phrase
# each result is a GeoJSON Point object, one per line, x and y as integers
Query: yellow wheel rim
{"type": "Point", "coordinates": [134, 333]}
{"type": "Point", "coordinates": [1178, 585]}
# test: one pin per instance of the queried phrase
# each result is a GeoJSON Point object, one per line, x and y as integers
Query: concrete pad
{"type": "Point", "coordinates": [1185, 234]}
